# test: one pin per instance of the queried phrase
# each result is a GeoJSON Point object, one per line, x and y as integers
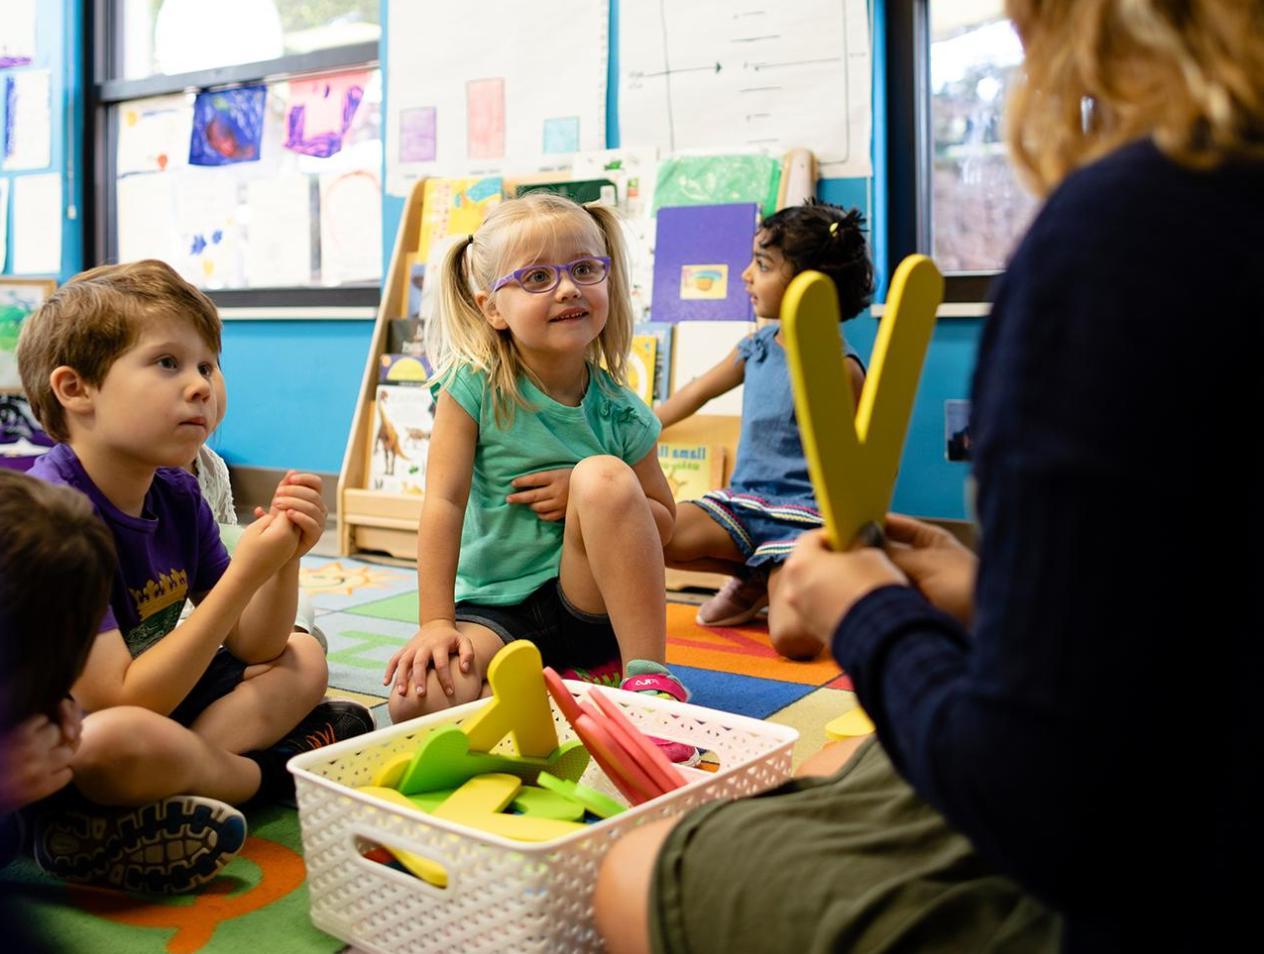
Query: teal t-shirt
{"type": "Point", "coordinates": [506, 550]}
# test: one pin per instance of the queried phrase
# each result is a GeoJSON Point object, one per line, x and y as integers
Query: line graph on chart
{"type": "Point", "coordinates": [718, 74]}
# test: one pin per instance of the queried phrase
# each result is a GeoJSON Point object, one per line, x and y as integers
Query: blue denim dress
{"type": "Point", "coordinates": [770, 501]}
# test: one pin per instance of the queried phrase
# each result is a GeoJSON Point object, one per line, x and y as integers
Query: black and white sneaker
{"type": "Point", "coordinates": [331, 721]}
{"type": "Point", "coordinates": [169, 846]}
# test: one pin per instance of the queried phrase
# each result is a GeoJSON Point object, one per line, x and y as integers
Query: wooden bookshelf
{"type": "Point", "coordinates": [371, 519]}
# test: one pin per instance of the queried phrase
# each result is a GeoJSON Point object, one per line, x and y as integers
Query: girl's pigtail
{"type": "Point", "coordinates": [615, 341]}
{"type": "Point", "coordinates": [456, 313]}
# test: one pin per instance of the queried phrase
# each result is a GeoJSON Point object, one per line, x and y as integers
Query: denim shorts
{"type": "Point", "coordinates": [568, 638]}
{"type": "Point", "coordinates": [764, 531]}
{"type": "Point", "coordinates": [222, 676]}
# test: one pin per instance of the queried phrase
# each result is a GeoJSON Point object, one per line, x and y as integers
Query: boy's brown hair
{"type": "Point", "coordinates": [96, 316]}
{"type": "Point", "coordinates": [56, 567]}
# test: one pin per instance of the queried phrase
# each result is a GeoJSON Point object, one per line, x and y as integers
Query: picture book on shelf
{"type": "Point", "coordinates": [641, 366]}
{"type": "Point", "coordinates": [700, 252]}
{"type": "Point", "coordinates": [664, 334]}
{"type": "Point", "coordinates": [692, 469]}
{"type": "Point", "coordinates": [577, 190]}
{"type": "Point", "coordinates": [406, 369]}
{"type": "Point", "coordinates": [455, 207]}
{"type": "Point", "coordinates": [403, 417]}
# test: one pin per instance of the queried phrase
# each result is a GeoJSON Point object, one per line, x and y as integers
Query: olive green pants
{"type": "Point", "coordinates": [854, 862]}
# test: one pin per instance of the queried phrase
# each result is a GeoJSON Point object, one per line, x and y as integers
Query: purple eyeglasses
{"type": "Point", "coordinates": [538, 279]}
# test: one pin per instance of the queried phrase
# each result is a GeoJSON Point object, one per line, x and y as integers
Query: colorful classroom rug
{"type": "Point", "coordinates": [367, 611]}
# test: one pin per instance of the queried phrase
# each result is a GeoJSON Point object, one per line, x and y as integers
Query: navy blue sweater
{"type": "Point", "coordinates": [1092, 734]}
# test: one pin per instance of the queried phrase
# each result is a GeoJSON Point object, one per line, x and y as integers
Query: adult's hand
{"type": "Point", "coordinates": [819, 585]}
{"type": "Point", "coordinates": [941, 568]}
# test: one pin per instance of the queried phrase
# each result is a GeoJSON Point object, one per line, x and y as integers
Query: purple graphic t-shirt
{"type": "Point", "coordinates": [171, 551]}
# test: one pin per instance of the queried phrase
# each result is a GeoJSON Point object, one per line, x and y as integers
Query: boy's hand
{"type": "Point", "coordinates": [298, 496]}
{"type": "Point", "coordinates": [35, 757]}
{"type": "Point", "coordinates": [266, 546]}
{"type": "Point", "coordinates": [434, 644]}
{"type": "Point", "coordinates": [546, 492]}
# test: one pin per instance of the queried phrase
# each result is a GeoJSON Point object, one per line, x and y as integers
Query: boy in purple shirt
{"type": "Point", "coordinates": [183, 721]}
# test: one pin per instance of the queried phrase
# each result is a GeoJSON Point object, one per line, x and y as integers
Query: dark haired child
{"type": "Point", "coordinates": [52, 544]}
{"type": "Point", "coordinates": [749, 528]}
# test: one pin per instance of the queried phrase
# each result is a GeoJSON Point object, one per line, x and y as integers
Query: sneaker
{"type": "Point", "coordinates": [738, 601]}
{"type": "Point", "coordinates": [333, 720]}
{"type": "Point", "coordinates": [606, 674]}
{"type": "Point", "coordinates": [654, 678]}
{"type": "Point", "coordinates": [317, 634]}
{"type": "Point", "coordinates": [165, 847]}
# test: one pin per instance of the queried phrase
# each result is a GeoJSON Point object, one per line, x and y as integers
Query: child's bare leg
{"type": "Point", "coordinates": [612, 557]}
{"type": "Point", "coordinates": [466, 686]}
{"type": "Point", "coordinates": [699, 543]}
{"type": "Point", "coordinates": [789, 639]}
{"type": "Point", "coordinates": [271, 699]}
{"type": "Point", "coordinates": [831, 757]}
{"type": "Point", "coordinates": [622, 897]}
{"type": "Point", "coordinates": [129, 756]}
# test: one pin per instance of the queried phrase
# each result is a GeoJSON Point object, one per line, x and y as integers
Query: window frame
{"type": "Point", "coordinates": [105, 94]}
{"type": "Point", "coordinates": [909, 149]}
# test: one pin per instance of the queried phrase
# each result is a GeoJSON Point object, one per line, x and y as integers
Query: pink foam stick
{"type": "Point", "coordinates": [561, 695]}
{"type": "Point", "coordinates": [630, 761]}
{"type": "Point", "coordinates": [626, 774]}
{"type": "Point", "coordinates": [638, 744]}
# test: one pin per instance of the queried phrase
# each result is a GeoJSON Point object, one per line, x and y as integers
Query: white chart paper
{"type": "Point", "coordinates": [37, 222]}
{"type": "Point", "coordinates": [479, 84]}
{"type": "Point", "coordinates": [719, 74]}
{"type": "Point", "coordinates": [28, 120]}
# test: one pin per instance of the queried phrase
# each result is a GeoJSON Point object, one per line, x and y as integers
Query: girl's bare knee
{"type": "Point", "coordinates": [793, 643]}
{"type": "Point", "coordinates": [604, 479]}
{"type": "Point", "coordinates": [435, 699]}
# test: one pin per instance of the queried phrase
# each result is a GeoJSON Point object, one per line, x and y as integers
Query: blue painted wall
{"type": "Point", "coordinates": [58, 38]}
{"type": "Point", "coordinates": [292, 389]}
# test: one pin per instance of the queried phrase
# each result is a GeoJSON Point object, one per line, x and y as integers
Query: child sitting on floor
{"type": "Point", "coordinates": [546, 509]}
{"type": "Point", "coordinates": [52, 543]}
{"type": "Point", "coordinates": [750, 527]}
{"type": "Point", "coordinates": [118, 367]}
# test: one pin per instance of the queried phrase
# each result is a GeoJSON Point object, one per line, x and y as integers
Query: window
{"type": "Point", "coordinates": [241, 142]}
{"type": "Point", "coordinates": [978, 208]}
{"type": "Point", "coordinates": [953, 193]}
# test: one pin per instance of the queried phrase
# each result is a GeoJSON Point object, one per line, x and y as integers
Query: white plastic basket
{"type": "Point", "coordinates": [501, 895]}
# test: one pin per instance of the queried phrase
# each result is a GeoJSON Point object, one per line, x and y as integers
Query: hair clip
{"type": "Point", "coordinates": [833, 228]}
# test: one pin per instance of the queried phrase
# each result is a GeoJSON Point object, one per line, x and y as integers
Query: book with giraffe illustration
{"type": "Point", "coordinates": [403, 417]}
{"type": "Point", "coordinates": [692, 469]}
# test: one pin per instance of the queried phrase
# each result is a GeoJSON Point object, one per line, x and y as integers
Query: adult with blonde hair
{"type": "Point", "coordinates": [1056, 696]}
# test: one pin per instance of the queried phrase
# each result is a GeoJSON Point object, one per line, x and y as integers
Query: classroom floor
{"type": "Point", "coordinates": [367, 609]}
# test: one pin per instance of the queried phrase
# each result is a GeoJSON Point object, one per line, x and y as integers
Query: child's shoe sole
{"type": "Point", "coordinates": [165, 847]}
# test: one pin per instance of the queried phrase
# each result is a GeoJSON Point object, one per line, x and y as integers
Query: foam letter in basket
{"type": "Point", "coordinates": [519, 706]}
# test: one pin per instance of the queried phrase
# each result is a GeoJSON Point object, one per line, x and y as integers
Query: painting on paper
{"type": "Point", "coordinates": [227, 126]}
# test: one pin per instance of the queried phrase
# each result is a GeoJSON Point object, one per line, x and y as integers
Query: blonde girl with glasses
{"type": "Point", "coordinates": [546, 510]}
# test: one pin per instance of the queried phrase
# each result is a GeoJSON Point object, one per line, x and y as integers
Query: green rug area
{"type": "Point", "coordinates": [402, 608]}
{"type": "Point", "coordinates": [258, 903]}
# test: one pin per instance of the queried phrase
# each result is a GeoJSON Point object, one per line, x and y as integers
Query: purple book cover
{"type": "Point", "coordinates": [699, 255]}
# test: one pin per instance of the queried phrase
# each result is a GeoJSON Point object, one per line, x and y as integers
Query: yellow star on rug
{"type": "Point", "coordinates": [335, 578]}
